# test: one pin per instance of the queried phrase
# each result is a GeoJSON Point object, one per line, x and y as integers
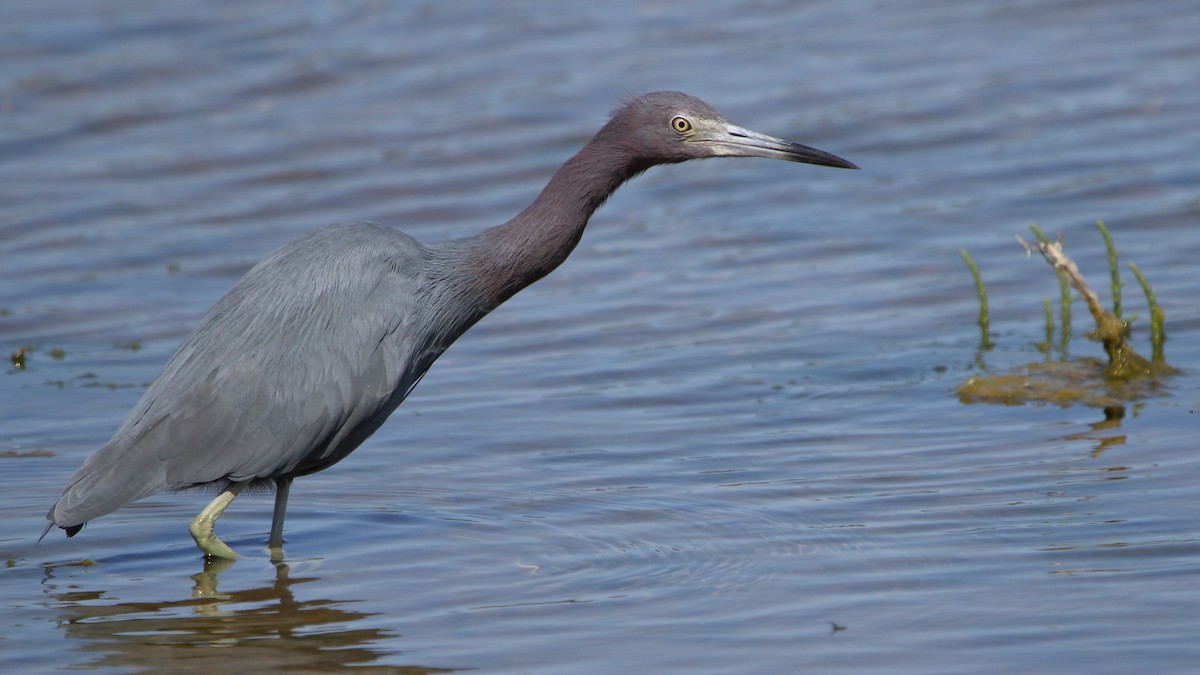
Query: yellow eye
{"type": "Point", "coordinates": [681, 125]}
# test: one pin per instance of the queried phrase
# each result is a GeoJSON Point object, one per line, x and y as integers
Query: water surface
{"type": "Point", "coordinates": [723, 437]}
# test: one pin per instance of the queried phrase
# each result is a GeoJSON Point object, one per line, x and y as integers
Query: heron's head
{"type": "Point", "coordinates": [669, 126]}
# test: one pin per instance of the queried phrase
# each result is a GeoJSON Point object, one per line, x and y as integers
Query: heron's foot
{"type": "Point", "coordinates": [202, 525]}
{"type": "Point", "coordinates": [208, 542]}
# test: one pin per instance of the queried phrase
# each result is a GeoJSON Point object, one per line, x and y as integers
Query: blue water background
{"type": "Point", "coordinates": [723, 437]}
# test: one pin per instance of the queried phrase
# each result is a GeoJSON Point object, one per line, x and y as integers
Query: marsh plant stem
{"type": "Point", "coordinates": [1157, 316]}
{"type": "Point", "coordinates": [980, 291]}
{"type": "Point", "coordinates": [1113, 268]}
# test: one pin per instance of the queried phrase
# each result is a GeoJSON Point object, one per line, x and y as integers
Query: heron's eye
{"type": "Point", "coordinates": [681, 125]}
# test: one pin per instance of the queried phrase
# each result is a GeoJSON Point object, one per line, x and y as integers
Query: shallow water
{"type": "Point", "coordinates": [723, 437]}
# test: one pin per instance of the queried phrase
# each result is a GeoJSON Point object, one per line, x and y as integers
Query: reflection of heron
{"type": "Point", "coordinates": [260, 629]}
{"type": "Point", "coordinates": [312, 350]}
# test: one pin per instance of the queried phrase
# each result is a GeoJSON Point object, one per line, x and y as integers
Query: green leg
{"type": "Point", "coordinates": [202, 525]}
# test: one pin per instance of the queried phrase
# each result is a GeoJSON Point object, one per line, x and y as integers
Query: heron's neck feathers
{"type": "Point", "coordinates": [528, 247]}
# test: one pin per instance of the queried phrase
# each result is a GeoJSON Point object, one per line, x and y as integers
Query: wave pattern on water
{"type": "Point", "coordinates": [721, 438]}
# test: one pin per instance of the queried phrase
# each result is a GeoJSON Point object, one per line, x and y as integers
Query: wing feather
{"type": "Point", "coordinates": [307, 347]}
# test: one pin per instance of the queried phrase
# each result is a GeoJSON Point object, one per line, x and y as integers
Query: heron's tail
{"type": "Point", "coordinates": [110, 478]}
{"type": "Point", "coordinates": [71, 530]}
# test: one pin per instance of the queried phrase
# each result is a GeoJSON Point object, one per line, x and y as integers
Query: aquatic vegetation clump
{"type": "Point", "coordinates": [1125, 376]}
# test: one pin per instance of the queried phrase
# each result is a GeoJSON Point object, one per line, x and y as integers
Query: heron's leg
{"type": "Point", "coordinates": [202, 525]}
{"type": "Point", "coordinates": [283, 485]}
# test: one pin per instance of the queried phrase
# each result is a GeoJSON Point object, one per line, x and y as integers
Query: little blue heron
{"type": "Point", "coordinates": [309, 353]}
